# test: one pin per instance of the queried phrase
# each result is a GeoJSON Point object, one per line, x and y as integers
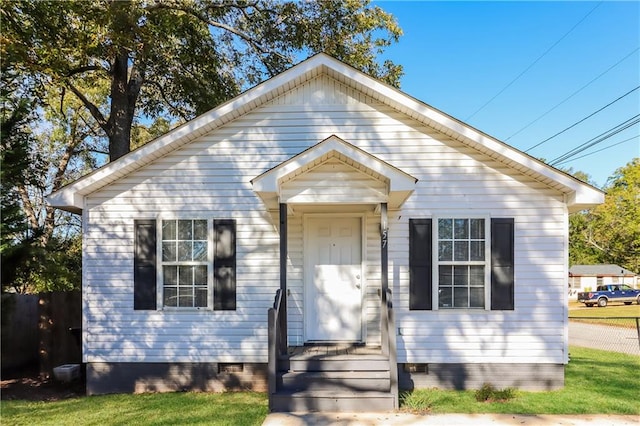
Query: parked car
{"type": "Point", "coordinates": [606, 294]}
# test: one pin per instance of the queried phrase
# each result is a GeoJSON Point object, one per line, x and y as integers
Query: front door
{"type": "Point", "coordinates": [333, 271]}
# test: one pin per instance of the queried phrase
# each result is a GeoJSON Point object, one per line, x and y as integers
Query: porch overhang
{"type": "Point", "coordinates": [334, 172]}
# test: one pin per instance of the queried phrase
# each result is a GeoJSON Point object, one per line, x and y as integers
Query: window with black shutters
{"type": "Point", "coordinates": [196, 267]}
{"type": "Point", "coordinates": [468, 260]}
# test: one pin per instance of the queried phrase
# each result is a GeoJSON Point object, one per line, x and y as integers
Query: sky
{"type": "Point", "coordinates": [524, 71]}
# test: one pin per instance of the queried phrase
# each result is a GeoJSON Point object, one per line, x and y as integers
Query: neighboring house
{"type": "Point", "coordinates": [335, 188]}
{"type": "Point", "coordinates": [588, 277]}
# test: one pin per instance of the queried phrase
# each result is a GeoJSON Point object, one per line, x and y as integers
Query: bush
{"type": "Point", "coordinates": [487, 393]}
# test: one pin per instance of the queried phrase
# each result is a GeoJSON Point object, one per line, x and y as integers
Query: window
{"type": "Point", "coordinates": [197, 266]}
{"type": "Point", "coordinates": [599, 280]}
{"type": "Point", "coordinates": [185, 263]}
{"type": "Point", "coordinates": [461, 262]}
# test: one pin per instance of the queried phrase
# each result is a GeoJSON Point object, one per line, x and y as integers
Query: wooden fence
{"type": "Point", "coordinates": [42, 329]}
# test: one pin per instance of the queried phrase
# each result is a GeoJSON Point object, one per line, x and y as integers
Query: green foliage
{"type": "Point", "coordinates": [34, 257]}
{"type": "Point", "coordinates": [610, 233]}
{"type": "Point", "coordinates": [616, 223]}
{"type": "Point", "coordinates": [488, 393]}
{"type": "Point", "coordinates": [177, 59]}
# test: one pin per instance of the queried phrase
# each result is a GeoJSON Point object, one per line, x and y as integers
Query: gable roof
{"type": "Point", "coordinates": [578, 194]}
{"type": "Point", "coordinates": [399, 185]}
{"type": "Point", "coordinates": [593, 270]}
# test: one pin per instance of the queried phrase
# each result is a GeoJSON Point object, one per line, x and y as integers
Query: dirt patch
{"type": "Point", "coordinates": [27, 385]}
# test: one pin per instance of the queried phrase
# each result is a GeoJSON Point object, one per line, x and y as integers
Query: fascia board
{"type": "Point", "coordinates": [584, 193]}
{"type": "Point", "coordinates": [180, 135]}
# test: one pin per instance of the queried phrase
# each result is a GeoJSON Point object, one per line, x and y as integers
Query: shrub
{"type": "Point", "coordinates": [487, 393]}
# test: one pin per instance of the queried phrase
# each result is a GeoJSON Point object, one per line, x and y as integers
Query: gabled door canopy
{"type": "Point", "coordinates": [381, 183]}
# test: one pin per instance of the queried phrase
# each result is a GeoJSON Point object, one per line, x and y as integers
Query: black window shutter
{"type": "Point", "coordinates": [144, 265]}
{"type": "Point", "coordinates": [420, 264]}
{"type": "Point", "coordinates": [502, 248]}
{"type": "Point", "coordinates": [224, 265]}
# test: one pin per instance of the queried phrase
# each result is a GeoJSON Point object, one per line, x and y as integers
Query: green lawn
{"type": "Point", "coordinates": [596, 382]}
{"type": "Point", "coordinates": [241, 408]}
{"type": "Point", "coordinates": [596, 315]}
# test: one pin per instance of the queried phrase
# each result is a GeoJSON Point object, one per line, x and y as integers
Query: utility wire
{"type": "Point", "coordinates": [598, 139]}
{"type": "Point", "coordinates": [587, 117]}
{"type": "Point", "coordinates": [534, 62]}
{"type": "Point", "coordinates": [599, 150]}
{"type": "Point", "coordinates": [574, 93]}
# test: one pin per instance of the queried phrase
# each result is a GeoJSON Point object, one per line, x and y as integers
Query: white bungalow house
{"type": "Point", "coordinates": [328, 238]}
{"type": "Point", "coordinates": [588, 277]}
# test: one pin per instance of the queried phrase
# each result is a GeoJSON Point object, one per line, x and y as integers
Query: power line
{"type": "Point", "coordinates": [574, 93]}
{"type": "Point", "coordinates": [598, 139]}
{"type": "Point", "coordinates": [587, 117]}
{"type": "Point", "coordinates": [534, 62]}
{"type": "Point", "coordinates": [599, 150]}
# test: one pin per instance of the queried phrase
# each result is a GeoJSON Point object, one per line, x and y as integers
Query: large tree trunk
{"type": "Point", "coordinates": [121, 116]}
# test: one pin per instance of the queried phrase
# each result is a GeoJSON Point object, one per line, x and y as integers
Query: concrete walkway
{"type": "Point", "coordinates": [404, 419]}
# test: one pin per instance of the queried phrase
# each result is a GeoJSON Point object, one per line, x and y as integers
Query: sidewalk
{"type": "Point", "coordinates": [404, 419]}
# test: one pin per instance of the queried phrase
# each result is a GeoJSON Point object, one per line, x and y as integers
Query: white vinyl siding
{"type": "Point", "coordinates": [210, 178]}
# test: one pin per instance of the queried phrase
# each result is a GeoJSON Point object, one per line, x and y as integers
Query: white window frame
{"type": "Point", "coordinates": [437, 263]}
{"type": "Point", "coordinates": [161, 263]}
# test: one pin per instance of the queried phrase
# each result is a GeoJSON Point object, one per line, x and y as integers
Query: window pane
{"type": "Point", "coordinates": [199, 229]}
{"type": "Point", "coordinates": [477, 229]}
{"type": "Point", "coordinates": [185, 296]}
{"type": "Point", "coordinates": [477, 250]}
{"type": "Point", "coordinates": [199, 250]}
{"type": "Point", "coordinates": [184, 230]}
{"type": "Point", "coordinates": [445, 250]}
{"type": "Point", "coordinates": [170, 296]}
{"type": "Point", "coordinates": [185, 275]}
{"type": "Point", "coordinates": [170, 275]}
{"type": "Point", "coordinates": [461, 276]}
{"type": "Point", "coordinates": [444, 297]}
{"type": "Point", "coordinates": [445, 229]}
{"type": "Point", "coordinates": [200, 275]}
{"type": "Point", "coordinates": [477, 297]}
{"type": "Point", "coordinates": [168, 229]}
{"type": "Point", "coordinates": [461, 250]}
{"type": "Point", "coordinates": [445, 275]}
{"type": "Point", "coordinates": [201, 297]}
{"type": "Point", "coordinates": [476, 275]}
{"type": "Point", "coordinates": [169, 251]}
{"type": "Point", "coordinates": [461, 228]}
{"type": "Point", "coordinates": [461, 297]}
{"type": "Point", "coordinates": [184, 251]}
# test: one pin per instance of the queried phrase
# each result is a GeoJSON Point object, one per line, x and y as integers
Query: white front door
{"type": "Point", "coordinates": [333, 272]}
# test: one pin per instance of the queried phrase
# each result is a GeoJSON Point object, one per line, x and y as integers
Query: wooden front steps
{"type": "Point", "coordinates": [333, 378]}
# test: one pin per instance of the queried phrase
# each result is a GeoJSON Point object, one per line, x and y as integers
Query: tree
{"type": "Point", "coordinates": [180, 58]}
{"type": "Point", "coordinates": [35, 159]}
{"type": "Point", "coordinates": [616, 223]}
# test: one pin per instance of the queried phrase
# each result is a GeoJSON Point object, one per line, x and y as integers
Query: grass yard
{"type": "Point", "coordinates": [597, 382]}
{"type": "Point", "coordinates": [241, 408]}
{"type": "Point", "coordinates": [598, 315]}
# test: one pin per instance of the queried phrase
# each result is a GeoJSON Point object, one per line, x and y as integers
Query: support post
{"type": "Point", "coordinates": [384, 279]}
{"type": "Point", "coordinates": [283, 272]}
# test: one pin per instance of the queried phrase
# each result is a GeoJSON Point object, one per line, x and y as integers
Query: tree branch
{"type": "Point", "coordinates": [93, 109]}
{"type": "Point", "coordinates": [27, 205]}
{"type": "Point", "coordinates": [176, 109]}
{"type": "Point", "coordinates": [84, 69]}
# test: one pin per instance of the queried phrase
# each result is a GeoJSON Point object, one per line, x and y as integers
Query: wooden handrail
{"type": "Point", "coordinates": [276, 341]}
{"type": "Point", "coordinates": [391, 346]}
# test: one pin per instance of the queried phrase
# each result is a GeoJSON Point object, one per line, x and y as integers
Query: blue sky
{"type": "Point", "coordinates": [457, 56]}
